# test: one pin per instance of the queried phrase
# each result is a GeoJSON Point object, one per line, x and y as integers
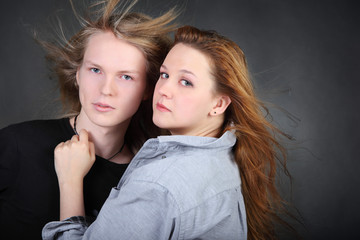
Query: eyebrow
{"type": "Point", "coordinates": [122, 71]}
{"type": "Point", "coordinates": [181, 70]}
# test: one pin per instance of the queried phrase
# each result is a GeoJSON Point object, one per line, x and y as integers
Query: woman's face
{"type": "Point", "coordinates": [184, 97]}
{"type": "Point", "coordinates": [111, 79]}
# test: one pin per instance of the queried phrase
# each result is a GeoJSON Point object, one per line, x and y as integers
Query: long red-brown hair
{"type": "Point", "coordinates": [257, 150]}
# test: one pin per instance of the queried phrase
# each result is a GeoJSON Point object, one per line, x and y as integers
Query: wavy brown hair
{"type": "Point", "coordinates": [257, 151]}
{"type": "Point", "coordinates": [149, 35]}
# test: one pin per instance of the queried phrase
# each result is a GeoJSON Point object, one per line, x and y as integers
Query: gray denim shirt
{"type": "Point", "coordinates": [176, 187]}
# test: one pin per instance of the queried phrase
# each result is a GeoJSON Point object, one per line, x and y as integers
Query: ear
{"type": "Point", "coordinates": [220, 106]}
{"type": "Point", "coordinates": [76, 83]}
{"type": "Point", "coordinates": [77, 77]}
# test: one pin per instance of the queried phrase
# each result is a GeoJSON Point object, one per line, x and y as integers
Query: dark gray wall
{"type": "Point", "coordinates": [303, 56]}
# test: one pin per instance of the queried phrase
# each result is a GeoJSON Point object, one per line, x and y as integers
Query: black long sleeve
{"type": "Point", "coordinates": [29, 192]}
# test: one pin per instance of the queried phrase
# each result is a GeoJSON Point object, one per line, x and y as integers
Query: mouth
{"type": "Point", "coordinates": [101, 107]}
{"type": "Point", "coordinates": [162, 108]}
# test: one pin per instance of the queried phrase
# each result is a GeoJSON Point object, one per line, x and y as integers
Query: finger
{"type": "Point", "coordinates": [67, 143]}
{"type": "Point", "coordinates": [60, 145]}
{"type": "Point", "coordinates": [92, 150]}
{"type": "Point", "coordinates": [75, 138]}
{"type": "Point", "coordinates": [83, 136]}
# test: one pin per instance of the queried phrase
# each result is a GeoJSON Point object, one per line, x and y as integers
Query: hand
{"type": "Point", "coordinates": [74, 158]}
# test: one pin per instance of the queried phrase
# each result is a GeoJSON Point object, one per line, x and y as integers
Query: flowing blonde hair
{"type": "Point", "coordinates": [149, 35]}
{"type": "Point", "coordinates": [257, 151]}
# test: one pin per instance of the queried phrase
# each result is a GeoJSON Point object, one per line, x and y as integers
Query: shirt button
{"type": "Point", "coordinates": [163, 157]}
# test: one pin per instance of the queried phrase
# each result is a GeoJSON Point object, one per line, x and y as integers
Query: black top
{"type": "Point", "coordinates": [29, 191]}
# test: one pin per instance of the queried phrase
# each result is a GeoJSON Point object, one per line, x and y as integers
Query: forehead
{"type": "Point", "coordinates": [105, 46]}
{"type": "Point", "coordinates": [188, 56]}
{"type": "Point", "coordinates": [183, 58]}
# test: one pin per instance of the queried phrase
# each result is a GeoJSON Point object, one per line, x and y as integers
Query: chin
{"type": "Point", "coordinates": [160, 124]}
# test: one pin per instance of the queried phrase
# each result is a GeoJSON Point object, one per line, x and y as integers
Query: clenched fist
{"type": "Point", "coordinates": [74, 158]}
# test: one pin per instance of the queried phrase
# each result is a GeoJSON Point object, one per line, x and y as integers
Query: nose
{"type": "Point", "coordinates": [164, 87]}
{"type": "Point", "coordinates": [108, 87]}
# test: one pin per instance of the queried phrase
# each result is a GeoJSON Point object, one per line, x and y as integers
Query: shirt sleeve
{"type": "Point", "coordinates": [74, 226]}
{"type": "Point", "coordinates": [139, 210]}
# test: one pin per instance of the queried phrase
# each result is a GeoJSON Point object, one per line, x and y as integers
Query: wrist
{"type": "Point", "coordinates": [71, 199]}
{"type": "Point", "coordinates": [71, 185]}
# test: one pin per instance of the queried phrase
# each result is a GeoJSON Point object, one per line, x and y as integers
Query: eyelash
{"type": "Point", "coordinates": [185, 83]}
{"type": "Point", "coordinates": [95, 70]}
{"type": "Point", "coordinates": [125, 76]}
{"type": "Point", "coordinates": [162, 73]}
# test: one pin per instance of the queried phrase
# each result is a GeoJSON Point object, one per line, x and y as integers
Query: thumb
{"type": "Point", "coordinates": [83, 136]}
{"type": "Point", "coordinates": [92, 150]}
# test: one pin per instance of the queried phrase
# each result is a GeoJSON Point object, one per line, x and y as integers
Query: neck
{"type": "Point", "coordinates": [196, 132]}
{"type": "Point", "coordinates": [107, 140]}
{"type": "Point", "coordinates": [209, 128]}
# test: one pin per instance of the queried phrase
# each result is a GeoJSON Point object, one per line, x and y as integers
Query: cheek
{"type": "Point", "coordinates": [155, 94]}
{"type": "Point", "coordinates": [86, 89]}
{"type": "Point", "coordinates": [133, 95]}
{"type": "Point", "coordinates": [132, 103]}
{"type": "Point", "coordinates": [157, 86]}
{"type": "Point", "coordinates": [141, 90]}
{"type": "Point", "coordinates": [187, 106]}
{"type": "Point", "coordinates": [195, 106]}
{"type": "Point", "coordinates": [138, 96]}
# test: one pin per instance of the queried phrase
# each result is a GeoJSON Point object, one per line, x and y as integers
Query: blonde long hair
{"type": "Point", "coordinates": [257, 151]}
{"type": "Point", "coordinates": [149, 35]}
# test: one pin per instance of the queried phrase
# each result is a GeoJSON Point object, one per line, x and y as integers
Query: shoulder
{"type": "Point", "coordinates": [42, 124]}
{"type": "Point", "coordinates": [39, 132]}
{"type": "Point", "coordinates": [35, 127]}
{"type": "Point", "coordinates": [202, 171]}
{"type": "Point", "coordinates": [192, 178]}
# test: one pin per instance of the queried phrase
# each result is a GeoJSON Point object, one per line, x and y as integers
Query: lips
{"type": "Point", "coordinates": [102, 107]}
{"type": "Point", "coordinates": [162, 108]}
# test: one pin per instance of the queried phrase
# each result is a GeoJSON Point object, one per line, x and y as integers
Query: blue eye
{"type": "Point", "coordinates": [185, 83]}
{"type": "Point", "coordinates": [164, 75]}
{"type": "Point", "coordinates": [95, 70]}
{"type": "Point", "coordinates": [126, 77]}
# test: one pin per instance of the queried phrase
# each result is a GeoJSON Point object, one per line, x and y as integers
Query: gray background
{"type": "Point", "coordinates": [304, 58]}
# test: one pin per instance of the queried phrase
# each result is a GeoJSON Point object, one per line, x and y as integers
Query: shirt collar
{"type": "Point", "coordinates": [227, 139]}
